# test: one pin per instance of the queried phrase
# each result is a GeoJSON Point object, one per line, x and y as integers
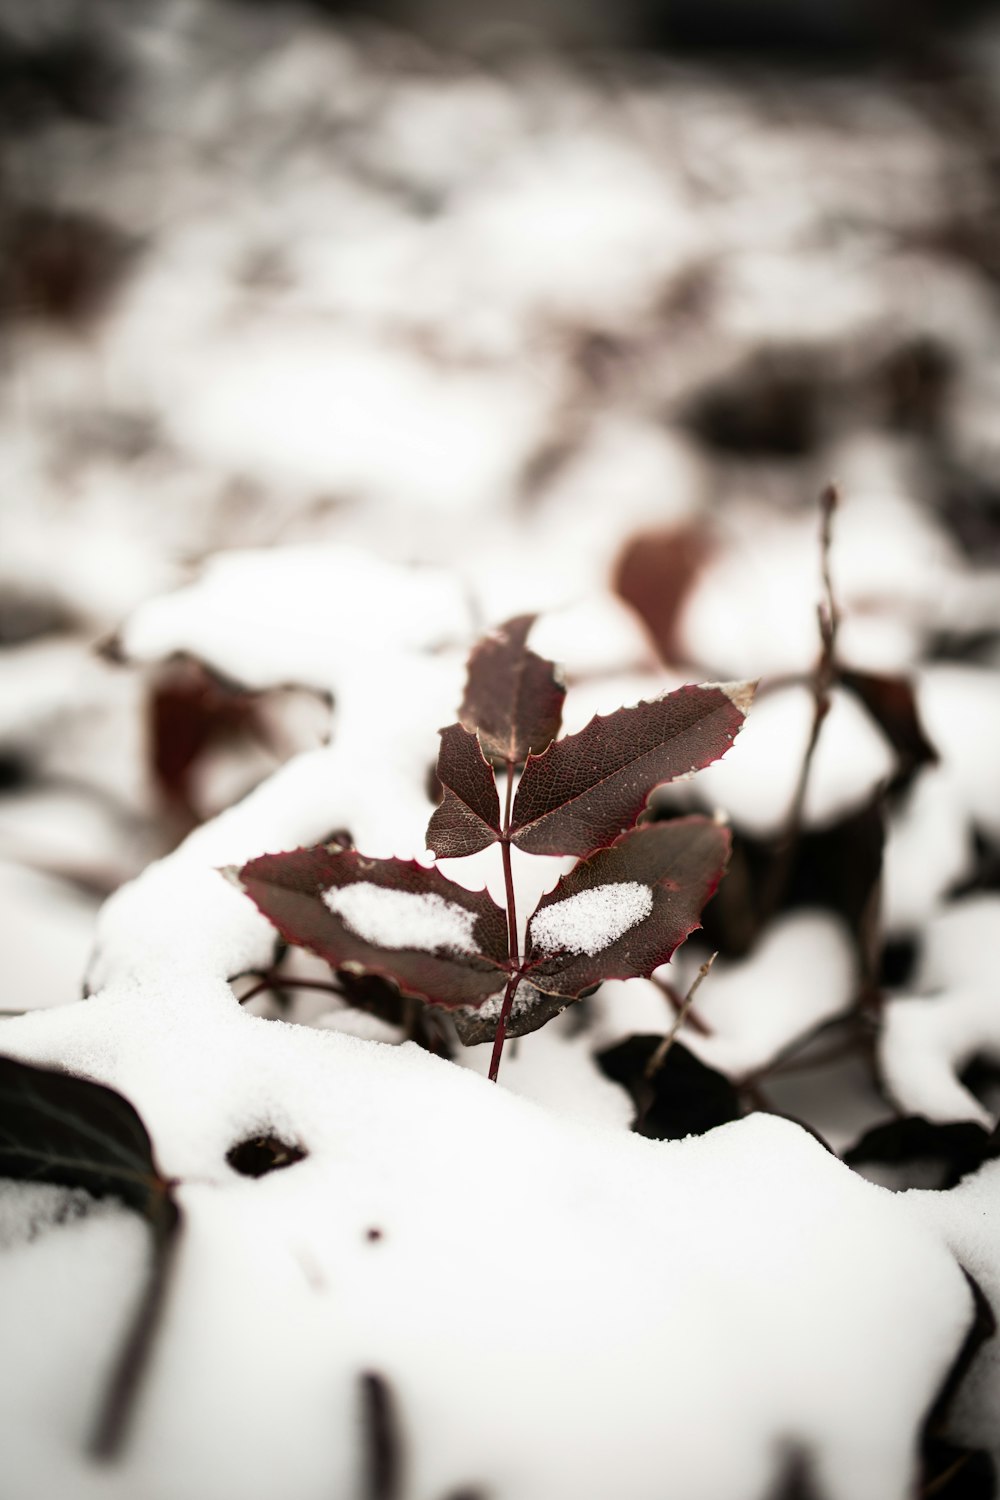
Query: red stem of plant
{"type": "Point", "coordinates": [286, 982]}
{"type": "Point", "coordinates": [515, 975]}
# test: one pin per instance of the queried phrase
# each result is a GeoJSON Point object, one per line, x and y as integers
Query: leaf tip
{"type": "Point", "coordinates": [232, 873]}
{"type": "Point", "coordinates": [740, 694]}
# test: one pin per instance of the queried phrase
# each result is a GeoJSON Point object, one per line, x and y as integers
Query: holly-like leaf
{"type": "Point", "coordinates": [589, 787]}
{"type": "Point", "coordinates": [623, 912]}
{"type": "Point", "coordinates": [468, 818]}
{"type": "Point", "coordinates": [513, 699]}
{"type": "Point", "coordinates": [67, 1131]}
{"type": "Point", "coordinates": [391, 917]}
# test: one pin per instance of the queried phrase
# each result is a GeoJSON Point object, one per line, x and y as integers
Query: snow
{"type": "Point", "coordinates": [755, 783]}
{"type": "Point", "coordinates": [270, 618]}
{"type": "Point", "coordinates": [47, 933]}
{"type": "Point", "coordinates": [234, 1399]}
{"type": "Point", "coordinates": [800, 975]}
{"type": "Point", "coordinates": [771, 1224]}
{"type": "Point", "coordinates": [926, 1042]}
{"type": "Point", "coordinates": [966, 1220]}
{"type": "Point", "coordinates": [591, 920]}
{"type": "Point", "coordinates": [435, 376]}
{"type": "Point", "coordinates": [928, 850]}
{"type": "Point", "coordinates": [928, 1038]}
{"type": "Point", "coordinates": [402, 919]}
{"type": "Point", "coordinates": [960, 709]}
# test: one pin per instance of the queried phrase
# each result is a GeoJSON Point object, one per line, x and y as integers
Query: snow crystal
{"type": "Point", "coordinates": [402, 919]}
{"type": "Point", "coordinates": [591, 920]}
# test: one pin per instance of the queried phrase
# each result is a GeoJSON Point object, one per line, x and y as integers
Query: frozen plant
{"type": "Point", "coordinates": [635, 893]}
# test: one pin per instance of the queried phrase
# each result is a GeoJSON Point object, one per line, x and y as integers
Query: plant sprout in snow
{"type": "Point", "coordinates": [635, 893]}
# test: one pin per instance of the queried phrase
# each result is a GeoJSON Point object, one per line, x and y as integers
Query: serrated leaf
{"type": "Point", "coordinates": [68, 1131]}
{"type": "Point", "coordinates": [622, 913]}
{"type": "Point", "coordinates": [589, 787]}
{"type": "Point", "coordinates": [513, 699]}
{"type": "Point", "coordinates": [391, 917]}
{"type": "Point", "coordinates": [468, 818]}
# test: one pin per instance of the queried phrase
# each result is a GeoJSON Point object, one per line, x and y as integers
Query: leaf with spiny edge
{"type": "Point", "coordinates": [588, 788]}
{"type": "Point", "coordinates": [468, 818]}
{"type": "Point", "coordinates": [621, 913]}
{"type": "Point", "coordinates": [391, 917]}
{"type": "Point", "coordinates": [513, 699]}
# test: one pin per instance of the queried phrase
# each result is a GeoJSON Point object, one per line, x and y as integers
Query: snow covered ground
{"type": "Point", "coordinates": [397, 347]}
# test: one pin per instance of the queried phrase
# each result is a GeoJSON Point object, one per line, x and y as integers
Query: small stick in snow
{"type": "Point", "coordinates": [821, 682]}
{"type": "Point", "coordinates": [825, 671]}
{"type": "Point", "coordinates": [383, 1446]}
{"type": "Point", "coordinates": [658, 1058]}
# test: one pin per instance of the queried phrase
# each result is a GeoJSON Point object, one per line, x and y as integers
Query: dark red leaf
{"type": "Point", "coordinates": [468, 818]}
{"type": "Point", "coordinates": [190, 713]}
{"type": "Point", "coordinates": [390, 917]}
{"type": "Point", "coordinates": [892, 704]}
{"type": "Point", "coordinates": [623, 912]}
{"type": "Point", "coordinates": [589, 787]}
{"type": "Point", "coordinates": [655, 575]}
{"type": "Point", "coordinates": [68, 1131]}
{"type": "Point", "coordinates": [513, 699]}
{"type": "Point", "coordinates": [531, 1010]}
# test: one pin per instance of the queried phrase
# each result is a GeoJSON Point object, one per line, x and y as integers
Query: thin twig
{"type": "Point", "coordinates": [825, 671]}
{"type": "Point", "coordinates": [821, 682]}
{"type": "Point", "coordinates": [286, 982]}
{"type": "Point", "coordinates": [658, 1058]}
{"type": "Point", "coordinates": [935, 1486]}
{"type": "Point", "coordinates": [675, 1002]}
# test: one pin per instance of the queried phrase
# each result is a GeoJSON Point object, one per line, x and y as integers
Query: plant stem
{"type": "Point", "coordinates": [501, 1031]}
{"type": "Point", "coordinates": [659, 1056]}
{"type": "Point", "coordinates": [286, 982]}
{"type": "Point", "coordinates": [821, 682]}
{"type": "Point", "coordinates": [512, 955]}
{"type": "Point", "coordinates": [825, 671]}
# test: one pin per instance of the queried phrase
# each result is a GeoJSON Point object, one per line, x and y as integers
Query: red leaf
{"type": "Point", "coordinates": [589, 787]}
{"type": "Point", "coordinates": [391, 917]}
{"type": "Point", "coordinates": [655, 575]}
{"type": "Point", "coordinates": [892, 704]}
{"type": "Point", "coordinates": [190, 713]}
{"type": "Point", "coordinates": [513, 700]}
{"type": "Point", "coordinates": [623, 912]}
{"type": "Point", "coordinates": [469, 817]}
{"type": "Point", "coordinates": [531, 1010]}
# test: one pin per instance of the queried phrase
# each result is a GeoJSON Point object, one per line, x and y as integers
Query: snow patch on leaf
{"type": "Point", "coordinates": [591, 920]}
{"type": "Point", "coordinates": [402, 919]}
